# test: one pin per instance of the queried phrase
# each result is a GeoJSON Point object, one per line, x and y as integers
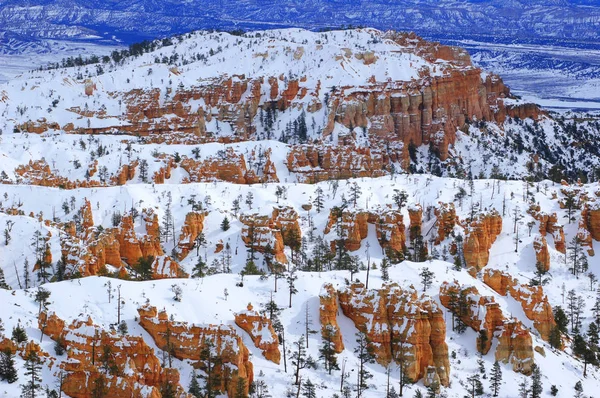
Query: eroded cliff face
{"type": "Point", "coordinates": [191, 229]}
{"type": "Point", "coordinates": [353, 226]}
{"type": "Point", "coordinates": [446, 220]}
{"type": "Point", "coordinates": [188, 341]}
{"type": "Point", "coordinates": [549, 225]}
{"type": "Point", "coordinates": [426, 108]}
{"type": "Point", "coordinates": [261, 332]}
{"type": "Point", "coordinates": [89, 249]}
{"type": "Point", "coordinates": [480, 234]}
{"type": "Point", "coordinates": [126, 364]}
{"type": "Point", "coordinates": [532, 299]}
{"type": "Point", "coordinates": [484, 315]}
{"type": "Point", "coordinates": [328, 309]}
{"type": "Point", "coordinates": [401, 326]}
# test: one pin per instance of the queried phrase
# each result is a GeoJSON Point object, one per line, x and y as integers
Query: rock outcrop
{"type": "Point", "coordinates": [542, 255]}
{"type": "Point", "coordinates": [353, 226]}
{"type": "Point", "coordinates": [532, 299]}
{"type": "Point", "coordinates": [484, 315]}
{"type": "Point", "coordinates": [480, 234]}
{"type": "Point", "coordinates": [134, 369]}
{"type": "Point", "coordinates": [402, 326]}
{"type": "Point", "coordinates": [261, 332]}
{"type": "Point", "coordinates": [328, 309]}
{"type": "Point", "coordinates": [191, 229]}
{"type": "Point", "coordinates": [591, 219]}
{"type": "Point", "coordinates": [415, 214]}
{"type": "Point", "coordinates": [188, 341]}
{"type": "Point", "coordinates": [549, 224]}
{"type": "Point", "coordinates": [446, 220]}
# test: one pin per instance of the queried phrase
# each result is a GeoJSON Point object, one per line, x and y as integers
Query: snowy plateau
{"type": "Point", "coordinates": [350, 213]}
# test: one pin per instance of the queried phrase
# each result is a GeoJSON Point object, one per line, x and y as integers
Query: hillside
{"type": "Point", "coordinates": [188, 186]}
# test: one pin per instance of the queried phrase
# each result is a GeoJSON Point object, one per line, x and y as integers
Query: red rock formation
{"type": "Point", "coordinates": [276, 231]}
{"type": "Point", "coordinates": [135, 368]}
{"type": "Point", "coordinates": [482, 313]}
{"type": "Point", "coordinates": [480, 234]}
{"type": "Point", "coordinates": [399, 321]}
{"type": "Point", "coordinates": [549, 224]}
{"type": "Point", "coordinates": [446, 220]}
{"type": "Point", "coordinates": [189, 340]}
{"type": "Point", "coordinates": [591, 218]}
{"type": "Point", "coordinates": [415, 213]}
{"type": "Point", "coordinates": [533, 301]}
{"type": "Point", "coordinates": [192, 227]}
{"type": "Point", "coordinates": [353, 227]}
{"type": "Point", "coordinates": [315, 163]}
{"type": "Point", "coordinates": [261, 332]}
{"type": "Point", "coordinates": [542, 256]}
{"type": "Point", "coordinates": [328, 308]}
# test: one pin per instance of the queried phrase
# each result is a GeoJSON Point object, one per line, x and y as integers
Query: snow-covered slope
{"type": "Point", "coordinates": [101, 200]}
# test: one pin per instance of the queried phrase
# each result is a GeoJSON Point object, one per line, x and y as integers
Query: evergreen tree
{"type": "Point", "coordinates": [553, 390]}
{"type": "Point", "coordinates": [392, 393]}
{"type": "Point", "coordinates": [474, 386]}
{"type": "Point", "coordinates": [3, 284]}
{"type": "Point", "coordinates": [385, 266]}
{"type": "Point", "coordinates": [33, 387]}
{"type": "Point", "coordinates": [355, 193]}
{"type": "Point", "coordinates": [540, 273]}
{"type": "Point", "coordinates": [536, 382]}
{"type": "Point", "coordinates": [496, 378]}
{"type": "Point", "coordinates": [144, 268]}
{"type": "Point", "coordinates": [309, 390]}
{"type": "Point", "coordinates": [418, 394]}
{"type": "Point", "coordinates": [41, 297]}
{"type": "Point", "coordinates": [327, 351]}
{"type": "Point", "coordinates": [261, 390]}
{"type": "Point", "coordinates": [300, 359]}
{"type": "Point", "coordinates": [562, 322]}
{"type": "Point", "coordinates": [291, 281]}
{"type": "Point", "coordinates": [364, 354]}
{"type": "Point", "coordinates": [194, 388]}
{"type": "Point", "coordinates": [100, 389]}
{"type": "Point", "coordinates": [426, 278]}
{"type": "Point", "coordinates": [524, 389]}
{"type": "Point", "coordinates": [8, 372]}
{"type": "Point", "coordinates": [199, 270]}
{"type": "Point", "coordinates": [555, 338]}
{"type": "Point", "coordinates": [225, 224]}
{"type": "Point", "coordinates": [319, 199]}
{"type": "Point", "coordinates": [19, 335]}
{"type": "Point", "coordinates": [211, 363]}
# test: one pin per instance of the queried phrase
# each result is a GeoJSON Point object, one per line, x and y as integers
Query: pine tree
{"type": "Point", "coordinates": [8, 372]}
{"type": "Point", "coordinates": [211, 363]}
{"type": "Point", "coordinates": [3, 284]}
{"type": "Point", "coordinates": [100, 389]}
{"type": "Point", "coordinates": [385, 266]}
{"type": "Point", "coordinates": [199, 270]}
{"type": "Point", "coordinates": [33, 387]}
{"type": "Point", "coordinates": [319, 199]}
{"type": "Point", "coordinates": [225, 224]}
{"type": "Point", "coordinates": [555, 338]}
{"type": "Point", "coordinates": [19, 335]}
{"type": "Point", "coordinates": [524, 389]}
{"type": "Point", "coordinates": [261, 390]}
{"type": "Point", "coordinates": [474, 386]}
{"type": "Point", "coordinates": [309, 390]}
{"type": "Point", "coordinates": [194, 388]}
{"type": "Point", "coordinates": [536, 382]}
{"type": "Point", "coordinates": [426, 278]}
{"type": "Point", "coordinates": [496, 378]}
{"type": "Point", "coordinates": [327, 351]}
{"type": "Point", "coordinates": [300, 359]}
{"type": "Point", "coordinates": [291, 281]}
{"type": "Point", "coordinates": [41, 297]}
{"type": "Point", "coordinates": [144, 268]}
{"type": "Point", "coordinates": [355, 193]}
{"type": "Point", "coordinates": [364, 354]}
{"type": "Point", "coordinates": [392, 393]}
